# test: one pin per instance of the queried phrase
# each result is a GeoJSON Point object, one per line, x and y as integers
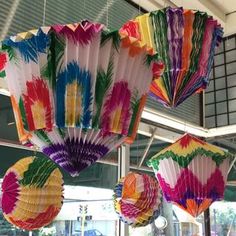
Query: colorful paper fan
{"type": "Point", "coordinates": [32, 193]}
{"type": "Point", "coordinates": [137, 199]}
{"type": "Point", "coordinates": [185, 41]}
{"type": "Point", "coordinates": [191, 173]}
{"type": "Point", "coordinates": [77, 91]}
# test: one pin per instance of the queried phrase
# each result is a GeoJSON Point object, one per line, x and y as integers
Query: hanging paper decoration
{"type": "Point", "coordinates": [185, 41]}
{"type": "Point", "coordinates": [32, 193]}
{"type": "Point", "coordinates": [3, 60]}
{"type": "Point", "coordinates": [191, 173]}
{"type": "Point", "coordinates": [137, 199]}
{"type": "Point", "coordinates": [77, 90]}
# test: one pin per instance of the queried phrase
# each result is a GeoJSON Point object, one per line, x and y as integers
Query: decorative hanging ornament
{"type": "Point", "coordinates": [185, 41]}
{"type": "Point", "coordinates": [77, 90]}
{"type": "Point", "coordinates": [137, 199]}
{"type": "Point", "coordinates": [3, 60]}
{"type": "Point", "coordinates": [32, 193]}
{"type": "Point", "coordinates": [191, 173]}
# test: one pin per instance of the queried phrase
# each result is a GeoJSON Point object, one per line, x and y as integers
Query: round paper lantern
{"type": "Point", "coordinates": [191, 173]}
{"type": "Point", "coordinates": [77, 90]}
{"type": "Point", "coordinates": [32, 193]}
{"type": "Point", "coordinates": [185, 41]}
{"type": "Point", "coordinates": [137, 199]}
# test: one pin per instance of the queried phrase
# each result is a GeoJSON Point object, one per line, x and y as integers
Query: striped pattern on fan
{"type": "Point", "coordinates": [185, 41]}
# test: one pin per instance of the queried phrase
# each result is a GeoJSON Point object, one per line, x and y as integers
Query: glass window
{"type": "Point", "coordinates": [223, 215]}
{"type": "Point", "coordinates": [220, 83]}
{"type": "Point", "coordinates": [230, 56]}
{"type": "Point", "coordinates": [222, 120]}
{"type": "Point", "coordinates": [219, 59]}
{"type": "Point", "coordinates": [210, 98]}
{"type": "Point", "coordinates": [231, 80]}
{"type": "Point", "coordinates": [210, 86]}
{"type": "Point", "coordinates": [7, 120]}
{"type": "Point", "coordinates": [86, 209]}
{"type": "Point", "coordinates": [221, 107]}
{"type": "Point", "coordinates": [232, 92]}
{"type": "Point", "coordinates": [210, 110]}
{"type": "Point", "coordinates": [231, 68]}
{"type": "Point", "coordinates": [232, 105]}
{"type": "Point", "coordinates": [211, 74]}
{"type": "Point", "coordinates": [221, 95]}
{"type": "Point", "coordinates": [220, 48]}
{"type": "Point", "coordinates": [210, 122]}
{"type": "Point", "coordinates": [219, 71]}
{"type": "Point", "coordinates": [229, 43]}
{"type": "Point", "coordinates": [7, 229]}
{"type": "Point", "coordinates": [232, 118]}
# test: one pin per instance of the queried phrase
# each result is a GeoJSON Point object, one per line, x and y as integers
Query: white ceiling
{"type": "Point", "coordinates": [227, 6]}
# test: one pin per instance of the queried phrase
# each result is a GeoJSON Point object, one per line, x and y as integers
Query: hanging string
{"type": "Point", "coordinates": [165, 4]}
{"type": "Point", "coordinates": [44, 11]}
{"type": "Point", "coordinates": [137, 150]}
{"type": "Point", "coordinates": [35, 150]}
{"type": "Point", "coordinates": [185, 127]}
{"type": "Point", "coordinates": [107, 15]}
{"type": "Point", "coordinates": [139, 8]}
{"type": "Point", "coordinates": [83, 13]}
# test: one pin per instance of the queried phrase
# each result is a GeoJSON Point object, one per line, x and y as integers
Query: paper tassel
{"type": "Point", "coordinates": [32, 193]}
{"type": "Point", "coordinates": [137, 199]}
{"type": "Point", "coordinates": [191, 173]}
{"type": "Point", "coordinates": [77, 90]}
{"type": "Point", "coordinates": [185, 41]}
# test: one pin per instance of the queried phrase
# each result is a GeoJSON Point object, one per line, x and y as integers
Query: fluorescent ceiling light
{"type": "Point", "coordinates": [158, 118]}
{"type": "Point", "coordinates": [4, 92]}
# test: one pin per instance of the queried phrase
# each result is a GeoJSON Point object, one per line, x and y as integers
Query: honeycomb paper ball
{"type": "Point", "coordinates": [32, 193]}
{"type": "Point", "coordinates": [137, 199]}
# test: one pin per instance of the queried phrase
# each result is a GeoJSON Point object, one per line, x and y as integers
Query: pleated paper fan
{"type": "Point", "coordinates": [32, 193]}
{"type": "Point", "coordinates": [77, 90]}
{"type": "Point", "coordinates": [191, 173]}
{"type": "Point", "coordinates": [137, 199]}
{"type": "Point", "coordinates": [185, 41]}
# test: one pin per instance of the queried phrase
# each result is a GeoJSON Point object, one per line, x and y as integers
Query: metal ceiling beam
{"type": "Point", "coordinates": [232, 164]}
{"type": "Point", "coordinates": [164, 3]}
{"type": "Point", "coordinates": [231, 183]}
{"type": "Point", "coordinates": [148, 5]}
{"type": "Point", "coordinates": [157, 119]}
{"type": "Point", "coordinates": [160, 134]}
{"type": "Point", "coordinates": [147, 148]}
